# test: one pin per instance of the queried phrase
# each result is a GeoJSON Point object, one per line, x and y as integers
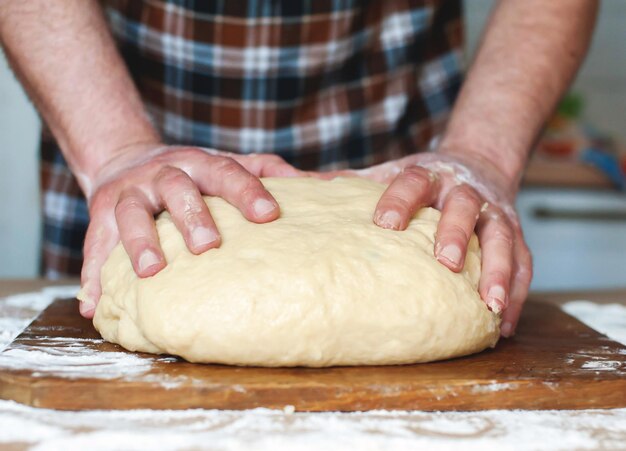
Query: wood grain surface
{"type": "Point", "coordinates": [554, 362]}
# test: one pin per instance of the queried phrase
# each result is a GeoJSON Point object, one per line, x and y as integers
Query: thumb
{"type": "Point", "coordinates": [101, 238]}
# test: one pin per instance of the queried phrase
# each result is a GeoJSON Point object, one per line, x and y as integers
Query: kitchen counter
{"type": "Point", "coordinates": [24, 427]}
{"type": "Point", "coordinates": [564, 174]}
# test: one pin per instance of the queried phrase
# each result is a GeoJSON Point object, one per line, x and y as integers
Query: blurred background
{"type": "Point", "coordinates": [572, 206]}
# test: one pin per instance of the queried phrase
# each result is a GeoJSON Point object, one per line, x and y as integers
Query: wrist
{"type": "Point", "coordinates": [103, 159]}
{"type": "Point", "coordinates": [502, 179]}
{"type": "Point", "coordinates": [506, 164]}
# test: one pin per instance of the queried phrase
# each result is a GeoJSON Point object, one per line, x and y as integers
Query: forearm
{"type": "Point", "coordinates": [529, 54]}
{"type": "Point", "coordinates": [67, 61]}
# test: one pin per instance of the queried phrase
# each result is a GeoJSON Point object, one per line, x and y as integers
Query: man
{"type": "Point", "coordinates": [325, 85]}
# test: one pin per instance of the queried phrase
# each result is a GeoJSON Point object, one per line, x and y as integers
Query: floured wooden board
{"type": "Point", "coordinates": [554, 362]}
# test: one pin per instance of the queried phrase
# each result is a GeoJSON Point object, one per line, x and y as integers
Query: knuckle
{"type": "Point", "coordinates": [105, 196]}
{"type": "Point", "coordinates": [246, 184]}
{"type": "Point", "coordinates": [227, 166]}
{"type": "Point", "coordinates": [524, 274]}
{"type": "Point", "coordinates": [200, 154]}
{"type": "Point", "coordinates": [136, 244]}
{"type": "Point", "coordinates": [500, 276]}
{"type": "Point", "coordinates": [127, 204]}
{"type": "Point", "coordinates": [467, 195]}
{"type": "Point", "coordinates": [193, 216]}
{"type": "Point", "coordinates": [416, 175]}
{"type": "Point", "coordinates": [252, 188]}
{"type": "Point", "coordinates": [454, 232]}
{"type": "Point", "coordinates": [526, 262]}
{"type": "Point", "coordinates": [501, 234]}
{"type": "Point", "coordinates": [273, 158]}
{"type": "Point", "coordinates": [396, 202]}
{"type": "Point", "coordinates": [503, 237]}
{"type": "Point", "coordinates": [193, 209]}
{"type": "Point", "coordinates": [175, 153]}
{"type": "Point", "coordinates": [493, 215]}
{"type": "Point", "coordinates": [189, 151]}
{"type": "Point", "coordinates": [170, 177]}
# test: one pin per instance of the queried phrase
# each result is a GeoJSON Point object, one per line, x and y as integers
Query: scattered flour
{"type": "Point", "coordinates": [63, 356]}
{"type": "Point", "coordinates": [495, 386]}
{"type": "Point", "coordinates": [40, 300]}
{"type": "Point", "coordinates": [602, 365]}
{"type": "Point", "coordinates": [17, 311]}
{"type": "Point", "coordinates": [262, 429]}
{"type": "Point", "coordinates": [74, 362]}
{"type": "Point", "coordinates": [609, 319]}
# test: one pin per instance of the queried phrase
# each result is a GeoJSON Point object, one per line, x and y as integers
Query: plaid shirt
{"type": "Point", "coordinates": [324, 84]}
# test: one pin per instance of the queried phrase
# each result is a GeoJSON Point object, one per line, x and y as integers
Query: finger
{"type": "Point", "coordinates": [226, 178]}
{"type": "Point", "coordinates": [138, 234]}
{"type": "Point", "coordinates": [520, 284]}
{"type": "Point", "coordinates": [383, 173]}
{"type": "Point", "coordinates": [458, 219]}
{"type": "Point", "coordinates": [100, 239]}
{"type": "Point", "coordinates": [412, 189]}
{"type": "Point", "coordinates": [266, 165]}
{"type": "Point", "coordinates": [496, 239]}
{"type": "Point", "coordinates": [180, 196]}
{"type": "Point", "coordinates": [270, 166]}
{"type": "Point", "coordinates": [280, 168]}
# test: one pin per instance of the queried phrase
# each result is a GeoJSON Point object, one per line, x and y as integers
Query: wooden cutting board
{"type": "Point", "coordinates": [554, 362]}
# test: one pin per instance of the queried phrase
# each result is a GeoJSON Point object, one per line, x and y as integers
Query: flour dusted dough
{"type": "Point", "coordinates": [320, 286]}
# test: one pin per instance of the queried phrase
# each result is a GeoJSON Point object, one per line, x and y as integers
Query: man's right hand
{"type": "Point", "coordinates": [147, 179]}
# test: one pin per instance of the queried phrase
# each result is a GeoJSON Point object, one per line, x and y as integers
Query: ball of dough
{"type": "Point", "coordinates": [320, 286]}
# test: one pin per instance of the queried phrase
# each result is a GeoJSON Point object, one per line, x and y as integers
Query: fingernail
{"type": "Point", "coordinates": [496, 298]}
{"type": "Point", "coordinates": [85, 296]}
{"type": "Point", "coordinates": [452, 253]}
{"type": "Point", "coordinates": [147, 260]}
{"type": "Point", "coordinates": [87, 303]}
{"type": "Point", "coordinates": [201, 236]}
{"type": "Point", "coordinates": [263, 207]}
{"type": "Point", "coordinates": [389, 220]}
{"type": "Point", "coordinates": [86, 307]}
{"type": "Point", "coordinates": [506, 330]}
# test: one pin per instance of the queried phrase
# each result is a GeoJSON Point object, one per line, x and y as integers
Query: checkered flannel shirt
{"type": "Point", "coordinates": [325, 84]}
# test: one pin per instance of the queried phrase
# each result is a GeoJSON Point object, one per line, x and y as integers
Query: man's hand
{"type": "Point", "coordinates": [472, 196]}
{"type": "Point", "coordinates": [528, 55]}
{"type": "Point", "coordinates": [144, 180]}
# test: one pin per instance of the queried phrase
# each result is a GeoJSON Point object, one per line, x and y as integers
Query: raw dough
{"type": "Point", "coordinates": [320, 286]}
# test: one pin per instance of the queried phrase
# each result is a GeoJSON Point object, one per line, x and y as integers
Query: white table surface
{"type": "Point", "coordinates": [23, 427]}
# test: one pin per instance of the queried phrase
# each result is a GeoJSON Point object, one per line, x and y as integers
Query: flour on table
{"type": "Point", "coordinates": [275, 430]}
{"type": "Point", "coordinates": [18, 311]}
{"type": "Point", "coordinates": [609, 319]}
{"type": "Point", "coordinates": [602, 365]}
{"type": "Point", "coordinates": [262, 429]}
{"type": "Point", "coordinates": [73, 359]}
{"type": "Point", "coordinates": [63, 356]}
